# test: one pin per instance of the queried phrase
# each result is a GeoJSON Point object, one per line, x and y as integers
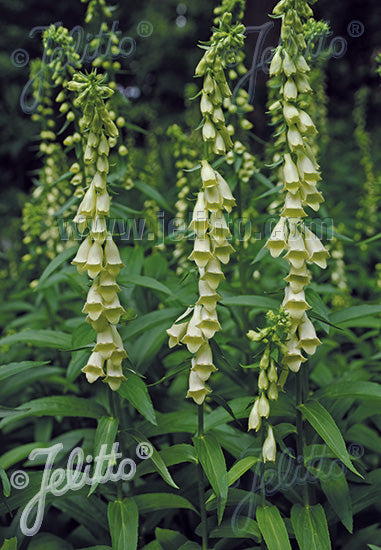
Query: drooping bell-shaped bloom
{"type": "Point", "coordinates": [213, 274]}
{"type": "Point", "coordinates": [193, 337]}
{"type": "Point", "coordinates": [318, 254]}
{"type": "Point", "coordinates": [294, 357]}
{"type": "Point", "coordinates": [295, 304]}
{"type": "Point", "coordinates": [201, 253]}
{"type": "Point", "coordinates": [197, 388]}
{"type": "Point", "coordinates": [113, 263]}
{"type": "Point", "coordinates": [278, 239]}
{"type": "Point", "coordinates": [254, 417]}
{"type": "Point", "coordinates": [94, 367]}
{"type": "Point", "coordinates": [307, 336]}
{"type": "Point", "coordinates": [228, 201]}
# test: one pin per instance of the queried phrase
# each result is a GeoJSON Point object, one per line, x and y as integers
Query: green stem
{"type": "Point", "coordinates": [200, 475]}
{"type": "Point", "coordinates": [262, 480]}
{"type": "Point", "coordinates": [301, 381]}
{"type": "Point", "coordinates": [116, 411]}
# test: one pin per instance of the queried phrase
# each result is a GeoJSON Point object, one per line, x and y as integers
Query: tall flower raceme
{"type": "Point", "coordinates": [300, 176]}
{"type": "Point", "coordinates": [98, 254]}
{"type": "Point", "coordinates": [211, 245]}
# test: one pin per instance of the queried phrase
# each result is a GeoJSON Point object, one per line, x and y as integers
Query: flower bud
{"type": "Point", "coordinates": [269, 447]}
{"type": "Point", "coordinates": [263, 406]}
{"type": "Point", "coordinates": [254, 418]}
{"type": "Point", "coordinates": [208, 131]}
{"type": "Point", "coordinates": [276, 63]}
{"type": "Point", "coordinates": [113, 263]}
{"type": "Point", "coordinates": [262, 380]}
{"type": "Point", "coordinates": [208, 175]}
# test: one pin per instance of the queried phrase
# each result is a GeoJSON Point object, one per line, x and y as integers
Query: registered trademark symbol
{"type": "Point", "coordinates": [145, 29]}
{"type": "Point", "coordinates": [356, 29]}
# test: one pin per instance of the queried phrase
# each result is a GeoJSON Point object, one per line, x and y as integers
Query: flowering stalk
{"type": "Point", "coordinates": [300, 175]}
{"type": "Point", "coordinates": [212, 234]}
{"type": "Point", "coordinates": [98, 254]}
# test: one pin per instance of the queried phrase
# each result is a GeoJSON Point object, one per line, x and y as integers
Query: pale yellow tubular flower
{"type": "Point", "coordinates": [98, 254]}
{"type": "Point", "coordinates": [94, 367]}
{"type": "Point", "coordinates": [201, 253]}
{"type": "Point", "coordinates": [294, 357]}
{"type": "Point", "coordinates": [278, 239]}
{"type": "Point", "coordinates": [254, 417]}
{"type": "Point", "coordinates": [193, 337]}
{"type": "Point", "coordinates": [307, 336]}
{"type": "Point", "coordinates": [269, 446]}
{"type": "Point", "coordinates": [209, 225]}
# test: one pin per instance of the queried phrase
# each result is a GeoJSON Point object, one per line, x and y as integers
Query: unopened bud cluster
{"type": "Point", "coordinates": [211, 245]}
{"type": "Point", "coordinates": [98, 254]}
{"type": "Point", "coordinates": [272, 375]}
{"type": "Point", "coordinates": [215, 88]}
{"type": "Point", "coordinates": [300, 175]}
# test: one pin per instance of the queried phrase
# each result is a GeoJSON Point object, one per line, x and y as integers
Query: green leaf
{"type": "Point", "coordinates": [123, 518]}
{"type": "Point", "coordinates": [54, 264]}
{"type": "Point", "coordinates": [5, 482]}
{"type": "Point", "coordinates": [105, 435]}
{"type": "Point", "coordinates": [336, 489]}
{"type": "Point", "coordinates": [17, 368]}
{"type": "Point", "coordinates": [143, 280]}
{"type": "Point", "coordinates": [324, 424]}
{"type": "Point", "coordinates": [39, 338]}
{"type": "Point", "coordinates": [9, 544]}
{"type": "Point", "coordinates": [221, 401]}
{"type": "Point", "coordinates": [83, 335]}
{"type": "Point", "coordinates": [262, 179]}
{"type": "Point", "coordinates": [59, 405]}
{"type": "Point", "coordinates": [171, 540]}
{"type": "Point", "coordinates": [348, 315]}
{"type": "Point", "coordinates": [212, 459]}
{"type": "Point", "coordinates": [177, 454]}
{"type": "Point", "coordinates": [154, 545]}
{"type": "Point", "coordinates": [48, 541]}
{"type": "Point", "coordinates": [260, 302]}
{"type": "Point", "coordinates": [135, 391]}
{"type": "Point", "coordinates": [146, 322]}
{"type": "Point", "coordinates": [241, 527]}
{"type": "Point", "coordinates": [357, 390]}
{"type": "Point", "coordinates": [373, 547]}
{"type": "Point", "coordinates": [158, 462]}
{"type": "Point", "coordinates": [310, 526]}
{"type": "Point", "coordinates": [19, 453]}
{"type": "Point", "coordinates": [240, 468]}
{"type": "Point", "coordinates": [152, 502]}
{"type": "Point", "coordinates": [272, 527]}
{"type": "Point", "coordinates": [153, 194]}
